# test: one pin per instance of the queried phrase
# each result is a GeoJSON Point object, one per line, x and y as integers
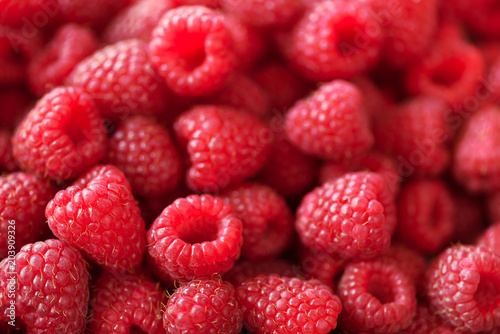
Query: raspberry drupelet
{"type": "Point", "coordinates": [192, 49]}
{"type": "Point", "coordinates": [63, 135]}
{"type": "Point", "coordinates": [194, 237]}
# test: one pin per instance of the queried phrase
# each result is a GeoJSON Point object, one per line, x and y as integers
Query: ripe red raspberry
{"type": "Point", "coordinates": [23, 197]}
{"type": "Point", "coordinates": [267, 220]}
{"type": "Point", "coordinates": [415, 133]}
{"type": "Point", "coordinates": [241, 92]}
{"type": "Point", "coordinates": [491, 238]}
{"type": "Point", "coordinates": [425, 210]}
{"type": "Point", "coordinates": [7, 161]}
{"type": "Point", "coordinates": [195, 236]}
{"type": "Point", "coordinates": [427, 322]}
{"type": "Point", "coordinates": [469, 218]}
{"type": "Point", "coordinates": [483, 17]}
{"type": "Point", "coordinates": [203, 306]}
{"type": "Point", "coordinates": [377, 297]}
{"type": "Point", "coordinates": [264, 13]}
{"type": "Point", "coordinates": [192, 50]}
{"type": "Point", "coordinates": [375, 100]}
{"type": "Point", "coordinates": [494, 207]}
{"type": "Point", "coordinates": [476, 161]}
{"type": "Point", "coordinates": [61, 136]}
{"type": "Point", "coordinates": [348, 47]}
{"type": "Point", "coordinates": [48, 284]}
{"type": "Point", "coordinates": [244, 269]}
{"type": "Point", "coordinates": [451, 72]}
{"type": "Point", "coordinates": [320, 265]}
{"type": "Point", "coordinates": [94, 13]}
{"type": "Point", "coordinates": [329, 123]}
{"type": "Point", "coordinates": [121, 302]}
{"type": "Point", "coordinates": [101, 219]}
{"type": "Point", "coordinates": [15, 12]}
{"type": "Point", "coordinates": [136, 21]}
{"type": "Point", "coordinates": [136, 88]}
{"type": "Point", "coordinates": [409, 27]}
{"type": "Point", "coordinates": [146, 154]}
{"type": "Point", "coordinates": [98, 170]}
{"type": "Point", "coordinates": [288, 170]}
{"type": "Point", "coordinates": [463, 287]}
{"type": "Point", "coordinates": [274, 304]}
{"type": "Point", "coordinates": [225, 146]}
{"type": "Point", "coordinates": [411, 262]}
{"type": "Point", "coordinates": [352, 217]}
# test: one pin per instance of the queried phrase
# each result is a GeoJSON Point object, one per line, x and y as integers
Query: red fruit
{"type": "Point", "coordinates": [329, 123]}
{"type": "Point", "coordinates": [494, 207]}
{"type": "Point", "coordinates": [483, 17]}
{"type": "Point", "coordinates": [476, 161]}
{"type": "Point", "coordinates": [50, 68]}
{"type": "Point", "coordinates": [377, 296]}
{"type": "Point", "coordinates": [225, 146]}
{"type": "Point", "coordinates": [120, 302]}
{"type": "Point", "coordinates": [427, 322]}
{"type": "Point", "coordinates": [320, 265]}
{"type": "Point", "coordinates": [101, 219]}
{"type": "Point", "coordinates": [62, 135]}
{"type": "Point", "coordinates": [146, 154]}
{"type": "Point", "coordinates": [267, 220]}
{"type": "Point", "coordinates": [352, 217]}
{"type": "Point", "coordinates": [136, 89]}
{"type": "Point", "coordinates": [411, 262]}
{"type": "Point", "coordinates": [264, 13]}
{"type": "Point", "coordinates": [50, 280]}
{"type": "Point", "coordinates": [469, 218]}
{"type": "Point", "coordinates": [23, 197]}
{"type": "Point", "coordinates": [491, 238]}
{"type": "Point", "coordinates": [425, 215]}
{"type": "Point", "coordinates": [7, 161]}
{"type": "Point", "coordinates": [194, 237]}
{"type": "Point", "coordinates": [18, 102]}
{"type": "Point", "coordinates": [192, 50]}
{"type": "Point", "coordinates": [15, 13]}
{"type": "Point", "coordinates": [90, 174]}
{"type": "Point", "coordinates": [203, 306]}
{"type": "Point", "coordinates": [245, 269]}
{"type": "Point", "coordinates": [274, 304]}
{"type": "Point", "coordinates": [463, 287]}
{"type": "Point", "coordinates": [94, 13]}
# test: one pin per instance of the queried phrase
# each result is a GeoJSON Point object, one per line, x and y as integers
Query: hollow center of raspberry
{"type": "Point", "coordinates": [198, 230]}
{"type": "Point", "coordinates": [448, 72]}
{"type": "Point", "coordinates": [347, 31]}
{"type": "Point", "coordinates": [78, 127]}
{"type": "Point", "coordinates": [191, 49]}
{"type": "Point", "coordinates": [487, 295]}
{"type": "Point", "coordinates": [380, 287]}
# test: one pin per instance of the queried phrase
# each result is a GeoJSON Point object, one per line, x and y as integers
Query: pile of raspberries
{"type": "Point", "coordinates": [250, 166]}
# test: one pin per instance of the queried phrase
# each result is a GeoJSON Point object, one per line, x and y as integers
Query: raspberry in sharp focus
{"type": "Point", "coordinates": [135, 87]}
{"type": "Point", "coordinates": [101, 219]}
{"type": "Point", "coordinates": [377, 296]}
{"type": "Point", "coordinates": [23, 198]}
{"type": "Point", "coordinates": [147, 155]}
{"type": "Point", "coordinates": [203, 306]}
{"type": "Point", "coordinates": [267, 220]}
{"type": "Point", "coordinates": [274, 304]}
{"type": "Point", "coordinates": [61, 136]}
{"type": "Point", "coordinates": [329, 123]}
{"type": "Point", "coordinates": [463, 286]}
{"type": "Point", "coordinates": [121, 301]}
{"type": "Point", "coordinates": [51, 288]}
{"type": "Point", "coordinates": [192, 50]}
{"type": "Point", "coordinates": [195, 236]}
{"type": "Point", "coordinates": [225, 146]}
{"type": "Point", "coordinates": [352, 217]}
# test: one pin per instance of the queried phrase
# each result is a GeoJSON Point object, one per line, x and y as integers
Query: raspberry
{"type": "Point", "coordinates": [267, 220]}
{"type": "Point", "coordinates": [264, 13]}
{"type": "Point", "coordinates": [482, 17]}
{"type": "Point", "coordinates": [476, 161]}
{"type": "Point", "coordinates": [225, 146]}
{"type": "Point", "coordinates": [241, 92]}
{"type": "Point", "coordinates": [101, 219]}
{"type": "Point", "coordinates": [136, 88]}
{"type": "Point", "coordinates": [287, 170]}
{"type": "Point", "coordinates": [245, 269]}
{"type": "Point", "coordinates": [195, 236]}
{"type": "Point", "coordinates": [13, 11]}
{"type": "Point", "coordinates": [415, 132]}
{"type": "Point", "coordinates": [94, 13]}
{"type": "Point", "coordinates": [146, 154]}
{"type": "Point", "coordinates": [469, 218]}
{"type": "Point", "coordinates": [463, 287]}
{"type": "Point", "coordinates": [352, 217]}
{"type": "Point", "coordinates": [494, 207]}
{"type": "Point", "coordinates": [203, 306]}
{"type": "Point", "coordinates": [377, 296]}
{"type": "Point", "coordinates": [120, 302]}
{"type": "Point", "coordinates": [51, 288]}
{"type": "Point", "coordinates": [7, 162]}
{"type": "Point", "coordinates": [491, 238]}
{"type": "Point", "coordinates": [191, 48]}
{"type": "Point", "coordinates": [374, 99]}
{"type": "Point", "coordinates": [411, 263]}
{"type": "Point", "coordinates": [70, 44]}
{"type": "Point", "coordinates": [61, 136]}
{"type": "Point", "coordinates": [136, 21]}
{"type": "Point", "coordinates": [152, 207]}
{"type": "Point", "coordinates": [426, 322]}
{"type": "Point", "coordinates": [23, 197]}
{"type": "Point", "coordinates": [329, 123]}
{"type": "Point", "coordinates": [321, 266]}
{"type": "Point", "coordinates": [347, 47]}
{"type": "Point", "coordinates": [425, 215]}
{"type": "Point", "coordinates": [98, 170]}
{"type": "Point", "coordinates": [274, 304]}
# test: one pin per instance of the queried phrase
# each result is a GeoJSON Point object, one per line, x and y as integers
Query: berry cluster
{"type": "Point", "coordinates": [249, 166]}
